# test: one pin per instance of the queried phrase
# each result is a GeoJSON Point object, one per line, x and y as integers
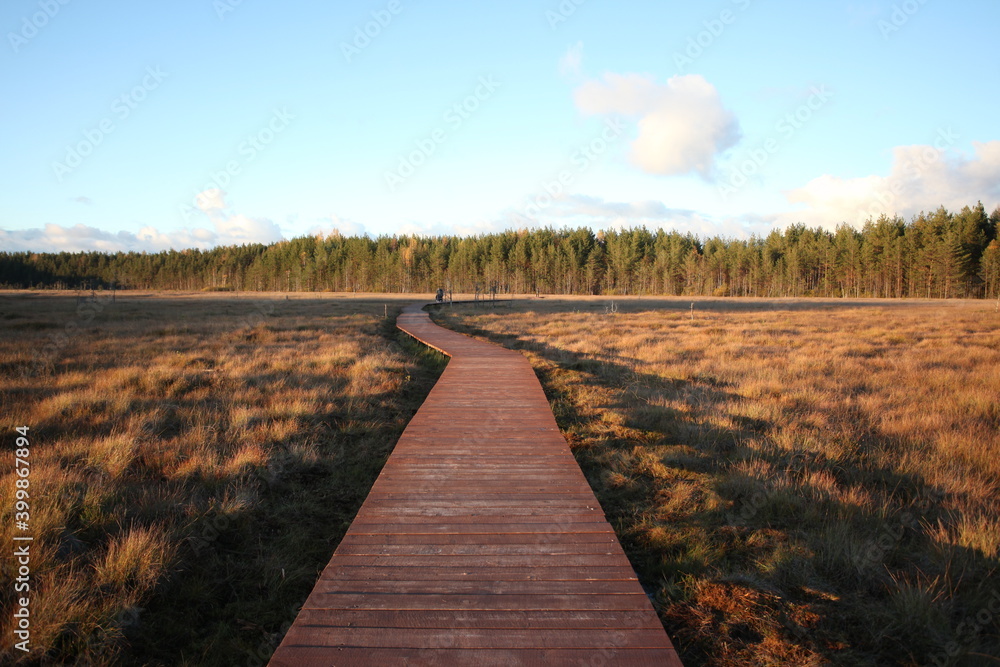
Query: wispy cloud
{"type": "Point", "coordinates": [683, 125]}
{"type": "Point", "coordinates": [571, 64]}
{"type": "Point", "coordinates": [572, 211]}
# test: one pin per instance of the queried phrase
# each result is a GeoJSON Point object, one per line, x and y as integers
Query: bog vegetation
{"type": "Point", "coordinates": [934, 255]}
{"type": "Point", "coordinates": [194, 463]}
{"type": "Point", "coordinates": [796, 483]}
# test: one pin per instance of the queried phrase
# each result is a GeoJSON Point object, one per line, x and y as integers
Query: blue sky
{"type": "Point", "coordinates": [142, 126]}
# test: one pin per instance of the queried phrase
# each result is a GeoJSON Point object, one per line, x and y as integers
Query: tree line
{"type": "Point", "coordinates": [934, 255]}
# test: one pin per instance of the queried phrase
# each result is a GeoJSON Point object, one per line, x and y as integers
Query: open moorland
{"type": "Point", "coordinates": [194, 461]}
{"type": "Point", "coordinates": [797, 482]}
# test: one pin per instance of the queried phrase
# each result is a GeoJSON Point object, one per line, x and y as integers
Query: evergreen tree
{"type": "Point", "coordinates": [939, 254]}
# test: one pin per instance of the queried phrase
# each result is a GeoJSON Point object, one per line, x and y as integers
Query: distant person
{"type": "Point", "coordinates": [439, 297]}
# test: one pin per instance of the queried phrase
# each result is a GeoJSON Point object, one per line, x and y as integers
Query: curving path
{"type": "Point", "coordinates": [481, 542]}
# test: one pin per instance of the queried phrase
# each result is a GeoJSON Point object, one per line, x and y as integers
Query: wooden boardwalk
{"type": "Point", "coordinates": [480, 543]}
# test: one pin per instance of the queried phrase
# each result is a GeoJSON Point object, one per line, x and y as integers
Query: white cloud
{"type": "Point", "coordinates": [596, 213]}
{"type": "Point", "coordinates": [473, 227]}
{"type": "Point", "coordinates": [922, 179]}
{"type": "Point", "coordinates": [227, 229]}
{"type": "Point", "coordinates": [76, 238]}
{"type": "Point", "coordinates": [571, 64]}
{"type": "Point", "coordinates": [240, 229]}
{"type": "Point", "coordinates": [234, 228]}
{"type": "Point", "coordinates": [682, 124]}
{"type": "Point", "coordinates": [336, 224]}
{"type": "Point", "coordinates": [211, 200]}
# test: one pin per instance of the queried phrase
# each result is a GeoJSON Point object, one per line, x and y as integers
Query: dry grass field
{"type": "Point", "coordinates": [194, 461]}
{"type": "Point", "coordinates": [796, 482]}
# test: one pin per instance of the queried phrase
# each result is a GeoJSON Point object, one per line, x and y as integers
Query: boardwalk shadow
{"type": "Point", "coordinates": [812, 551]}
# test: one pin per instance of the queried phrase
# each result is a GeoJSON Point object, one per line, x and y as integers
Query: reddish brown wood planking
{"type": "Point", "coordinates": [480, 543]}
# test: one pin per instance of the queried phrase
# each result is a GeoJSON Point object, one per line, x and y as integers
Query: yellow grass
{"type": "Point", "coordinates": [194, 461]}
{"type": "Point", "coordinates": [797, 482]}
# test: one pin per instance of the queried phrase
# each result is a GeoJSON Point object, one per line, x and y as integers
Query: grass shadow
{"type": "Point", "coordinates": [745, 541]}
{"type": "Point", "coordinates": [245, 463]}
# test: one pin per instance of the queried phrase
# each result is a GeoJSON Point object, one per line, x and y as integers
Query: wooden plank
{"type": "Point", "coordinates": [547, 525]}
{"type": "Point", "coordinates": [460, 637]}
{"type": "Point", "coordinates": [481, 560]}
{"type": "Point", "coordinates": [481, 587]}
{"type": "Point", "coordinates": [451, 513]}
{"type": "Point", "coordinates": [491, 524]}
{"type": "Point", "coordinates": [478, 539]}
{"type": "Point", "coordinates": [553, 548]}
{"type": "Point", "coordinates": [322, 656]}
{"type": "Point", "coordinates": [556, 572]}
{"type": "Point", "coordinates": [480, 543]}
{"type": "Point", "coordinates": [478, 618]}
{"type": "Point", "coordinates": [559, 602]}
